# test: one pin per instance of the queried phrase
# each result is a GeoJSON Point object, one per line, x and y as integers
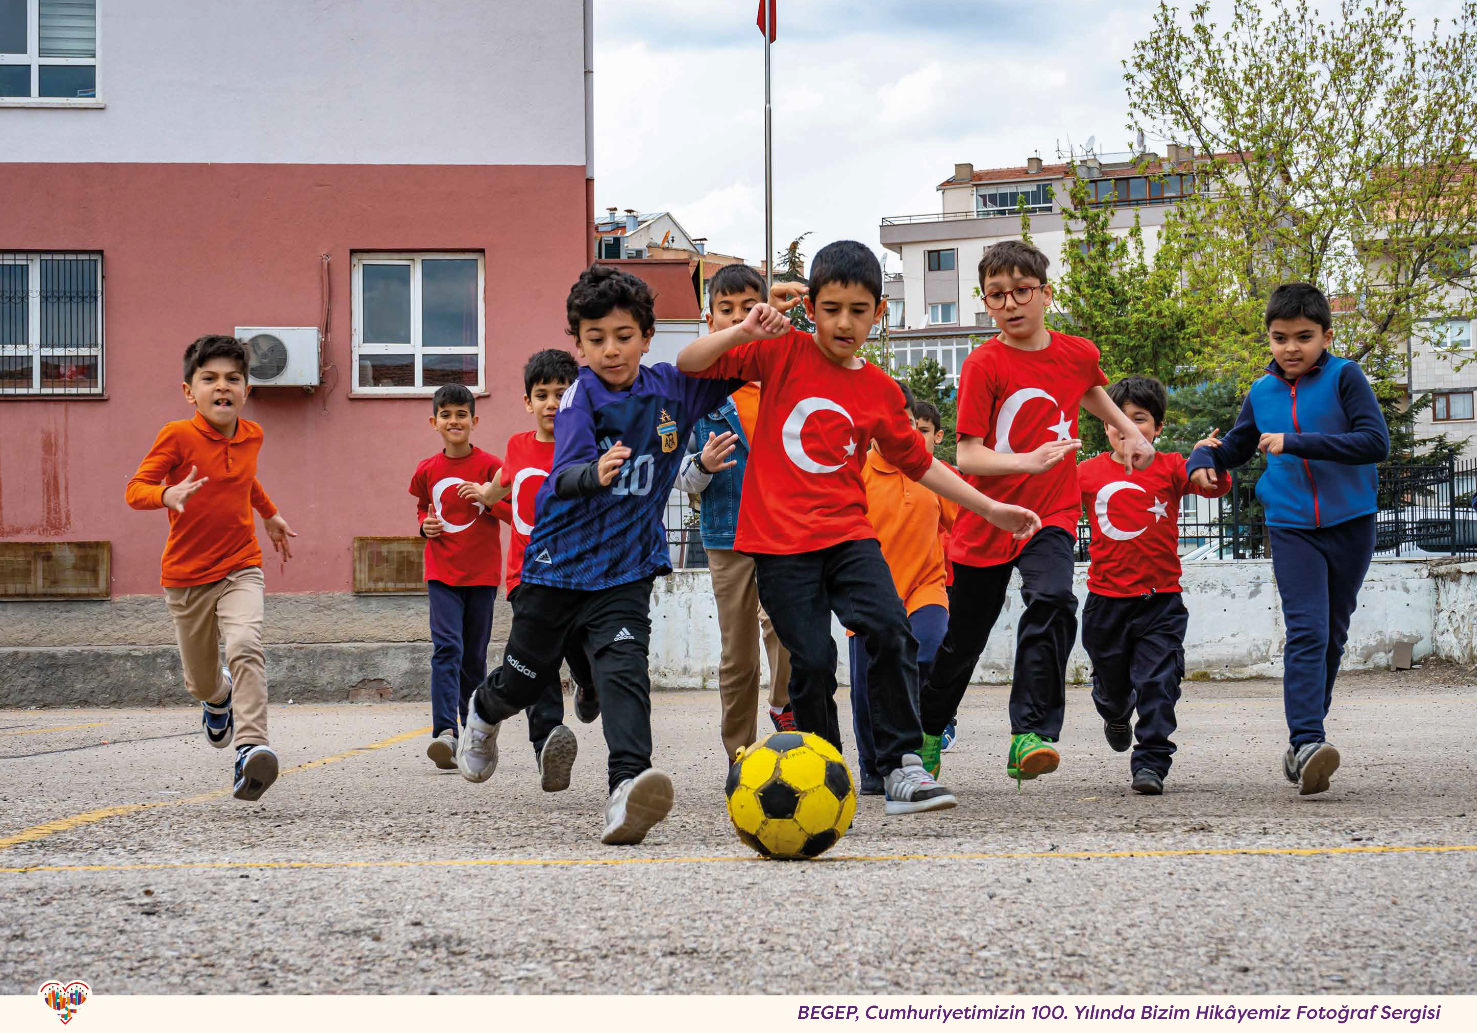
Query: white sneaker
{"type": "Point", "coordinates": [442, 750]}
{"type": "Point", "coordinates": [476, 749]}
{"type": "Point", "coordinates": [635, 806]}
{"type": "Point", "coordinates": [556, 759]}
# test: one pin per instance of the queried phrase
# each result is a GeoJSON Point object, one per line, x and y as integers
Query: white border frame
{"type": "Point", "coordinates": [413, 258]}
{"type": "Point", "coordinates": [33, 347]}
{"type": "Point", "coordinates": [32, 58]}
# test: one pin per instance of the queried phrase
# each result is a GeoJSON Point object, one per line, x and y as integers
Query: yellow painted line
{"type": "Point", "coordinates": [581, 862]}
{"type": "Point", "coordinates": [51, 828]}
{"type": "Point", "coordinates": [53, 728]}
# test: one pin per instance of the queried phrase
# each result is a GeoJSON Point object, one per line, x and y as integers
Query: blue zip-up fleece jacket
{"type": "Point", "coordinates": [1333, 431]}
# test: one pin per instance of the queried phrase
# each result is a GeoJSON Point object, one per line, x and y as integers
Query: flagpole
{"type": "Point", "coordinates": [768, 151]}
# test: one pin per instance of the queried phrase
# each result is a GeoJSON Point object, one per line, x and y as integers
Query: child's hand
{"type": "Point", "coordinates": [611, 463]}
{"type": "Point", "coordinates": [1205, 478]}
{"type": "Point", "coordinates": [279, 532]}
{"type": "Point", "coordinates": [1138, 454]}
{"type": "Point", "coordinates": [1020, 522]}
{"type": "Point", "coordinates": [1271, 444]}
{"type": "Point", "coordinates": [176, 495]}
{"type": "Point", "coordinates": [763, 322]}
{"type": "Point", "coordinates": [717, 450]}
{"type": "Point", "coordinates": [431, 526]}
{"type": "Point", "coordinates": [1209, 441]}
{"type": "Point", "coordinates": [489, 494]}
{"type": "Point", "coordinates": [785, 296]}
{"type": "Point", "coordinates": [1049, 454]}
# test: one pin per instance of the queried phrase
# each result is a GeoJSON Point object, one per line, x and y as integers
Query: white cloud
{"type": "Point", "coordinates": [914, 95]}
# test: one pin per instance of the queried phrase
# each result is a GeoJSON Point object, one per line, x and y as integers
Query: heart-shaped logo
{"type": "Point", "coordinates": [64, 999]}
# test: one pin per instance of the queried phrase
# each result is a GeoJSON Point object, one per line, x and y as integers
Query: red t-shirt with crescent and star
{"type": "Point", "coordinates": [527, 463]}
{"type": "Point", "coordinates": [816, 421]}
{"type": "Point", "coordinates": [1135, 519]}
{"type": "Point", "coordinates": [468, 551]}
{"type": "Point", "coordinates": [1017, 401]}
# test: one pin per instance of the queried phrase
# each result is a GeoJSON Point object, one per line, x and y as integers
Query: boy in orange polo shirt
{"type": "Point", "coordinates": [911, 523]}
{"type": "Point", "coordinates": [203, 470]}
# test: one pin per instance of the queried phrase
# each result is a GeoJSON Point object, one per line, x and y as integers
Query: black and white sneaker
{"type": "Point", "coordinates": [910, 789]}
{"type": "Point", "coordinates": [635, 806]}
{"type": "Point", "coordinates": [256, 770]}
{"type": "Point", "coordinates": [586, 703]}
{"type": "Point", "coordinates": [1147, 782]}
{"type": "Point", "coordinates": [1119, 735]}
{"type": "Point", "coordinates": [556, 759]}
{"type": "Point", "coordinates": [218, 720]}
{"type": "Point", "coordinates": [869, 785]}
{"type": "Point", "coordinates": [1309, 766]}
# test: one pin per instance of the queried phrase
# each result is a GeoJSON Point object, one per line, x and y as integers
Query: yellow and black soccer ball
{"type": "Point", "coordinates": [790, 796]}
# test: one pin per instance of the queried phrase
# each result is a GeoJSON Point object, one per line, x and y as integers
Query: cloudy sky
{"type": "Point", "coordinates": [874, 102]}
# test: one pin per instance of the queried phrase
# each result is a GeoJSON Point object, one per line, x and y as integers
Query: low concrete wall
{"type": "Point", "coordinates": [339, 646]}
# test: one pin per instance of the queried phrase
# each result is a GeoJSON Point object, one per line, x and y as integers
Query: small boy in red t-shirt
{"type": "Point", "coordinates": [463, 563]}
{"type": "Point", "coordinates": [1133, 626]}
{"type": "Point", "coordinates": [527, 461]}
{"type": "Point", "coordinates": [804, 519]}
{"type": "Point", "coordinates": [1019, 396]}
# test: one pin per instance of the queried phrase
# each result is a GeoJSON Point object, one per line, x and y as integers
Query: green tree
{"type": "Point", "coordinates": [789, 267]}
{"type": "Point", "coordinates": [929, 382]}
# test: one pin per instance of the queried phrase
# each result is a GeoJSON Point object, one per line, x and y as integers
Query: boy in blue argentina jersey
{"type": "Point", "coordinates": [598, 541]}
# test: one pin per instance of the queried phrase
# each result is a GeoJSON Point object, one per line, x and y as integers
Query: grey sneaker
{"type": "Point", "coordinates": [635, 806]}
{"type": "Point", "coordinates": [1119, 735]}
{"type": "Point", "coordinates": [1309, 766]}
{"type": "Point", "coordinates": [586, 703]}
{"type": "Point", "coordinates": [1147, 782]}
{"type": "Point", "coordinates": [442, 750]}
{"type": "Point", "coordinates": [476, 749]}
{"type": "Point", "coordinates": [911, 789]}
{"type": "Point", "coordinates": [556, 759]}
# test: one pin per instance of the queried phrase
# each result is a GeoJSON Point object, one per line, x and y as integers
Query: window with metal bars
{"type": "Point", "coordinates": [51, 323]}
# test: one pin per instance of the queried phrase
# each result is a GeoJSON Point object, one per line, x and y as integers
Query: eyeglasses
{"type": "Point", "coordinates": [996, 299]}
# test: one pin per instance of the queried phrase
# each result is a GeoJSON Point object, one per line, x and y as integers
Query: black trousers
{"type": "Point", "coordinates": [615, 624]}
{"type": "Point", "coordinates": [548, 712]}
{"type": "Point", "coordinates": [1038, 689]}
{"type": "Point", "coordinates": [851, 580]}
{"type": "Point", "coordinates": [1137, 647]}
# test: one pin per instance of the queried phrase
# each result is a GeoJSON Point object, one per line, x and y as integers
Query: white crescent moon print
{"type": "Point", "coordinates": [1005, 419]}
{"type": "Point", "coordinates": [523, 475]}
{"type": "Point", "coordinates": [795, 424]}
{"type": "Point", "coordinates": [1103, 496]}
{"type": "Point", "coordinates": [442, 485]}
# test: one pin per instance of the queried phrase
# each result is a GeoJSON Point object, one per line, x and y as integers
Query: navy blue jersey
{"type": "Point", "coordinates": [618, 534]}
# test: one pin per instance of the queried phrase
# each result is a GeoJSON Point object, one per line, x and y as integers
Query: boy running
{"type": "Point", "coordinates": [203, 470]}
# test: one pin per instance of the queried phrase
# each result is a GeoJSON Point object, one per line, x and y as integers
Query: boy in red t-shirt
{"type": "Point", "coordinates": [804, 519]}
{"type": "Point", "coordinates": [1133, 626]}
{"type": "Point", "coordinates": [1019, 396]}
{"type": "Point", "coordinates": [463, 563]}
{"type": "Point", "coordinates": [527, 461]}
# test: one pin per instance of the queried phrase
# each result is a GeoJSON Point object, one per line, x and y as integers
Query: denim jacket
{"type": "Point", "coordinates": [721, 491]}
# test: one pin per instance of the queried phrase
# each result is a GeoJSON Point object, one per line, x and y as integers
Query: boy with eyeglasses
{"type": "Point", "coordinates": [1019, 396]}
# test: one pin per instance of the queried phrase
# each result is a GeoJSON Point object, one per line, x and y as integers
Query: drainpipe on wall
{"type": "Point", "coordinates": [589, 132]}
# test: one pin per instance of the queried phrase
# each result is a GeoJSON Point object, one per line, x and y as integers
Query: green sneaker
{"type": "Point", "coordinates": [929, 753]}
{"type": "Point", "coordinates": [1029, 757]}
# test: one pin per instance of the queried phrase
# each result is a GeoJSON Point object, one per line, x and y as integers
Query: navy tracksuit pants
{"type": "Point", "coordinates": [930, 624]}
{"type": "Point", "coordinates": [1137, 648]}
{"type": "Point", "coordinates": [461, 624]}
{"type": "Point", "coordinates": [1319, 573]}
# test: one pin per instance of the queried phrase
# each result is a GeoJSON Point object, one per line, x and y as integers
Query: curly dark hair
{"type": "Point", "coordinates": [215, 346]}
{"type": "Point", "coordinates": [601, 289]}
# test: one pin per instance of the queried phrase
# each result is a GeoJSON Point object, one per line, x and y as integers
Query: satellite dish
{"type": "Point", "coordinates": [1091, 143]}
{"type": "Point", "coordinates": [268, 357]}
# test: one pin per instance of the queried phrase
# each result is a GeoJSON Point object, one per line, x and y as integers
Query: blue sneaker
{"type": "Point", "coordinates": [218, 720]}
{"type": "Point", "coordinates": [950, 736]}
{"type": "Point", "coordinates": [256, 770]}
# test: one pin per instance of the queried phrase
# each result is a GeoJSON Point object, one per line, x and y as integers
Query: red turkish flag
{"type": "Point", "coordinates": [773, 22]}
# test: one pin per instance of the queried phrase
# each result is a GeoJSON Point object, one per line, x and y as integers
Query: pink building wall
{"type": "Point", "coordinates": [201, 248]}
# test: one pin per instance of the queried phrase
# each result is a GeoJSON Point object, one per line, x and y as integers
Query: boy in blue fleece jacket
{"type": "Point", "coordinates": [1319, 423]}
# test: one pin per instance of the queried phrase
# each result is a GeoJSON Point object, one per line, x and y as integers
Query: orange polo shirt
{"type": "Point", "coordinates": [909, 519]}
{"type": "Point", "coordinates": [216, 534]}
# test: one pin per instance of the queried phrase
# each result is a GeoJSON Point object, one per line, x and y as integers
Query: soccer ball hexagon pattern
{"type": "Point", "coordinates": [790, 796]}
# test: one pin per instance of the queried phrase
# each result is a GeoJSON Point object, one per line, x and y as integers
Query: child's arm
{"type": "Point", "coordinates": [944, 482]}
{"type": "Point", "coordinates": [1207, 462]}
{"type": "Point", "coordinates": [699, 465]}
{"type": "Point", "coordinates": [762, 323]}
{"type": "Point", "coordinates": [1367, 440]}
{"type": "Point", "coordinates": [980, 460]}
{"type": "Point", "coordinates": [948, 513]}
{"type": "Point", "coordinates": [579, 468]}
{"type": "Point", "coordinates": [1138, 451]}
{"type": "Point", "coordinates": [146, 489]}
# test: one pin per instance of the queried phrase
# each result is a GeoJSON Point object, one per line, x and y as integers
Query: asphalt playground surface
{"type": "Point", "coordinates": [125, 862]}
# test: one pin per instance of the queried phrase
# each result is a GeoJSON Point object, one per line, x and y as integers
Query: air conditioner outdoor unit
{"type": "Point", "coordinates": [282, 356]}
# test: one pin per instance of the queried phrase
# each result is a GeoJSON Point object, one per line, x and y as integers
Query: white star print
{"type": "Point", "coordinates": [1159, 509]}
{"type": "Point", "coordinates": [850, 448]}
{"type": "Point", "coordinates": [1063, 429]}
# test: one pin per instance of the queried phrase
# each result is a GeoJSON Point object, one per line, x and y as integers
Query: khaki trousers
{"type": "Point", "coordinates": [737, 596]}
{"type": "Point", "coordinates": [229, 611]}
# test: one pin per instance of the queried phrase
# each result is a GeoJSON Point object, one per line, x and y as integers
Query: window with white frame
{"type": "Point", "coordinates": [894, 313]}
{"type": "Point", "coordinates": [1445, 334]}
{"type": "Point", "coordinates": [48, 50]}
{"type": "Point", "coordinates": [948, 352]}
{"type": "Point", "coordinates": [943, 312]}
{"type": "Point", "coordinates": [1451, 405]}
{"type": "Point", "coordinates": [418, 322]}
{"type": "Point", "coordinates": [51, 323]}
